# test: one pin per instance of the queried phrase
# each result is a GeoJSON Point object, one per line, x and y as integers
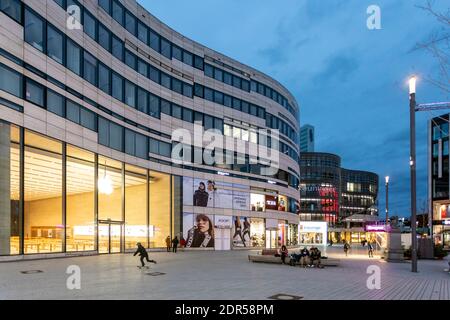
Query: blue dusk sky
{"type": "Point", "coordinates": [350, 82]}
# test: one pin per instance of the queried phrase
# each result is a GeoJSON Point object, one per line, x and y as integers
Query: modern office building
{"type": "Point", "coordinates": [438, 179]}
{"type": "Point", "coordinates": [307, 138]}
{"type": "Point", "coordinates": [89, 103]}
{"type": "Point", "coordinates": [344, 199]}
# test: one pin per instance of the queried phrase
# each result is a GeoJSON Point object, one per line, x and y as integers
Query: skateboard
{"type": "Point", "coordinates": [144, 267]}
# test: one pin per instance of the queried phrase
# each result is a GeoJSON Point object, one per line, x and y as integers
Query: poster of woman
{"type": "Point", "coordinates": [241, 234]}
{"type": "Point", "coordinates": [201, 235]}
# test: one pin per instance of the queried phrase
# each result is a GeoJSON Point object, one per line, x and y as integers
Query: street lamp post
{"type": "Point", "coordinates": [412, 164]}
{"type": "Point", "coordinates": [387, 199]}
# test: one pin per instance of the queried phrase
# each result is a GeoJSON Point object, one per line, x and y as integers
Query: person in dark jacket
{"type": "Point", "coordinates": [175, 244]}
{"type": "Point", "coordinates": [284, 253]}
{"type": "Point", "coordinates": [201, 196]}
{"type": "Point", "coordinates": [304, 257]}
{"type": "Point", "coordinates": [143, 254]}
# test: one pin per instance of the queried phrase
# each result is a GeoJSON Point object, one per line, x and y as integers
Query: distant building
{"type": "Point", "coordinates": [439, 179]}
{"type": "Point", "coordinates": [345, 199]}
{"type": "Point", "coordinates": [307, 138]}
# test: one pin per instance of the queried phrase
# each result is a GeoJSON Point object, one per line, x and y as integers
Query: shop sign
{"type": "Point", "coordinates": [446, 222]}
{"type": "Point", "coordinates": [223, 222]}
{"type": "Point", "coordinates": [376, 228]}
{"type": "Point", "coordinates": [271, 224]}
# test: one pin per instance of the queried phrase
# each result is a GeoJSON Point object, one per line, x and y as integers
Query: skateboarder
{"type": "Point", "coordinates": [143, 254]}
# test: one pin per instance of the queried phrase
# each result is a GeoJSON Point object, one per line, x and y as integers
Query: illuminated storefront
{"type": "Point", "coordinates": [441, 223]}
{"type": "Point", "coordinates": [312, 232]}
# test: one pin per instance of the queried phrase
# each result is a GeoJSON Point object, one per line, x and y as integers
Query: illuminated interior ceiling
{"type": "Point", "coordinates": [43, 175]}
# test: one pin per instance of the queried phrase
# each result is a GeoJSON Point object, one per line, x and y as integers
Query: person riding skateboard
{"type": "Point", "coordinates": [143, 254]}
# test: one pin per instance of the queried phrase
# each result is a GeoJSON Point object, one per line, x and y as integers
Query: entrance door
{"type": "Point", "coordinates": [110, 236]}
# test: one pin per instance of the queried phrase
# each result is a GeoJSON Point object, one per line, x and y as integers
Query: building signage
{"type": "Point", "coordinates": [376, 228]}
{"type": "Point", "coordinates": [271, 224]}
{"type": "Point", "coordinates": [271, 202]}
{"type": "Point", "coordinates": [223, 222]}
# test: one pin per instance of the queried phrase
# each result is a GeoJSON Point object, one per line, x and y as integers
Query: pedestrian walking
{"type": "Point", "coordinates": [346, 248]}
{"type": "Point", "coordinates": [370, 249]}
{"type": "Point", "coordinates": [143, 254]}
{"type": "Point", "coordinates": [175, 244]}
{"type": "Point", "coordinates": [168, 243]}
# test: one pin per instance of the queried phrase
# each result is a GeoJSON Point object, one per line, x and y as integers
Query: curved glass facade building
{"type": "Point", "coordinates": [331, 194]}
{"type": "Point", "coordinates": [115, 129]}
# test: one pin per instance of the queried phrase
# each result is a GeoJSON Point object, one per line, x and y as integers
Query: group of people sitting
{"type": "Point", "coordinates": [306, 258]}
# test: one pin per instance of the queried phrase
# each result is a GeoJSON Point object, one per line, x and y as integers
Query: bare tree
{"type": "Point", "coordinates": [438, 45]}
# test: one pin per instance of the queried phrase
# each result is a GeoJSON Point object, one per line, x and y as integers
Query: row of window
{"type": "Point", "coordinates": [84, 64]}
{"type": "Point", "coordinates": [28, 89]}
{"type": "Point", "coordinates": [274, 122]}
{"type": "Point", "coordinates": [110, 134]}
{"type": "Point", "coordinates": [272, 94]}
{"type": "Point", "coordinates": [226, 77]}
{"type": "Point", "coordinates": [148, 36]}
{"type": "Point", "coordinates": [243, 84]}
{"type": "Point", "coordinates": [12, 8]}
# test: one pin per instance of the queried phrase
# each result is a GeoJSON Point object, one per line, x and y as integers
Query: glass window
{"type": "Point", "coordinates": [55, 42]}
{"type": "Point", "coordinates": [87, 119]}
{"type": "Point", "coordinates": [34, 30]}
{"type": "Point", "coordinates": [90, 68]}
{"type": "Point", "coordinates": [154, 106]}
{"type": "Point", "coordinates": [109, 194]}
{"type": "Point", "coordinates": [209, 71]}
{"type": "Point", "coordinates": [218, 74]}
{"type": "Point", "coordinates": [130, 94]}
{"type": "Point", "coordinates": [188, 115]}
{"type": "Point", "coordinates": [208, 122]}
{"type": "Point", "coordinates": [143, 67]}
{"type": "Point", "coordinates": [209, 94]}
{"type": "Point", "coordinates": [245, 85]}
{"type": "Point", "coordinates": [117, 48]}
{"type": "Point", "coordinates": [73, 57]}
{"type": "Point", "coordinates": [188, 58]}
{"type": "Point", "coordinates": [117, 86]}
{"type": "Point", "coordinates": [104, 37]}
{"type": "Point", "coordinates": [10, 81]}
{"type": "Point", "coordinates": [166, 107]}
{"type": "Point", "coordinates": [136, 199]}
{"type": "Point", "coordinates": [218, 124]}
{"type": "Point", "coordinates": [260, 88]}
{"type": "Point", "coordinates": [73, 111]}
{"type": "Point", "coordinates": [104, 78]}
{"type": "Point", "coordinates": [218, 97]}
{"type": "Point", "coordinates": [154, 146]}
{"type": "Point", "coordinates": [154, 41]}
{"type": "Point", "coordinates": [115, 136]}
{"type": "Point", "coordinates": [142, 32]}
{"type": "Point", "coordinates": [166, 48]}
{"type": "Point", "coordinates": [34, 92]}
{"type": "Point", "coordinates": [130, 59]}
{"type": "Point", "coordinates": [245, 135]}
{"type": "Point", "coordinates": [103, 131]}
{"type": "Point", "coordinates": [198, 90]}
{"type": "Point", "coordinates": [198, 117]}
{"type": "Point", "coordinates": [165, 149]}
{"type": "Point", "coordinates": [165, 80]}
{"type": "Point", "coordinates": [55, 103]}
{"type": "Point", "coordinates": [105, 4]}
{"type": "Point", "coordinates": [141, 146]}
{"type": "Point", "coordinates": [198, 62]}
{"type": "Point", "coordinates": [261, 113]}
{"type": "Point", "coordinates": [176, 111]}
{"type": "Point", "coordinates": [227, 130]}
{"type": "Point", "coordinates": [236, 104]}
{"type": "Point", "coordinates": [253, 110]}
{"type": "Point", "coordinates": [227, 78]}
{"type": "Point", "coordinates": [130, 142]}
{"type": "Point", "coordinates": [160, 208]}
{"type": "Point", "coordinates": [80, 186]}
{"type": "Point", "coordinates": [237, 133]}
{"type": "Point", "coordinates": [245, 106]}
{"type": "Point", "coordinates": [117, 11]}
{"type": "Point", "coordinates": [130, 23]}
{"type": "Point", "coordinates": [90, 25]}
{"type": "Point", "coordinates": [12, 8]}
{"type": "Point", "coordinates": [187, 90]}
{"type": "Point", "coordinates": [236, 82]}
{"type": "Point", "coordinates": [154, 74]}
{"type": "Point", "coordinates": [177, 53]}
{"type": "Point", "coordinates": [43, 226]}
{"type": "Point", "coordinates": [177, 86]}
{"type": "Point", "coordinates": [253, 85]}
{"type": "Point", "coordinates": [142, 100]}
{"type": "Point", "coordinates": [227, 100]}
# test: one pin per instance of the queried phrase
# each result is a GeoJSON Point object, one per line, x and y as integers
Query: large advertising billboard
{"type": "Point", "coordinates": [198, 230]}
